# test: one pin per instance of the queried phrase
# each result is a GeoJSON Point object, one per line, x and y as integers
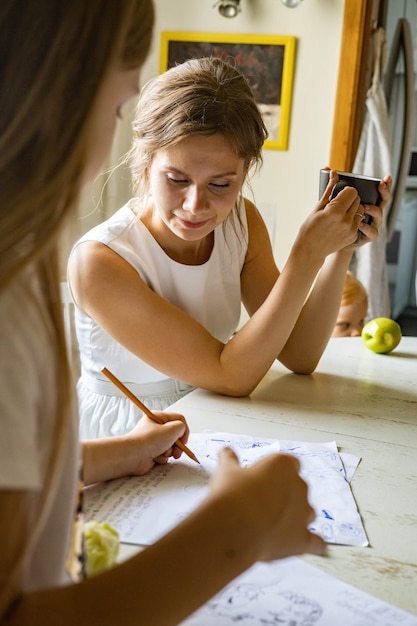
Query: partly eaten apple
{"type": "Point", "coordinates": [381, 335]}
{"type": "Point", "coordinates": [102, 545]}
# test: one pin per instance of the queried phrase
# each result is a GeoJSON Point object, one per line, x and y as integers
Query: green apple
{"type": "Point", "coordinates": [381, 335]}
{"type": "Point", "coordinates": [101, 542]}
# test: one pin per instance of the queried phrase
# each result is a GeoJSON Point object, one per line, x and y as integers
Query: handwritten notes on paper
{"type": "Point", "coordinates": [288, 591]}
{"type": "Point", "coordinates": [144, 508]}
{"type": "Point", "coordinates": [292, 592]}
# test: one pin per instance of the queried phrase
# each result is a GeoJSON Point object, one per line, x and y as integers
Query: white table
{"type": "Point", "coordinates": [367, 403]}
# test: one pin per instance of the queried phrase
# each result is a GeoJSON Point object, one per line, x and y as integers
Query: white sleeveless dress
{"type": "Point", "coordinates": [210, 293]}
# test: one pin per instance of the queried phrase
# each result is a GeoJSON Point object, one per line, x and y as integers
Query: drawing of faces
{"type": "Point", "coordinates": [292, 609]}
{"type": "Point", "coordinates": [327, 533]}
{"type": "Point", "coordinates": [234, 602]}
{"type": "Point", "coordinates": [249, 604]}
{"type": "Point", "coordinates": [239, 596]}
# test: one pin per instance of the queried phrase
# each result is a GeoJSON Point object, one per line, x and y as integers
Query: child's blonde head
{"type": "Point", "coordinates": [353, 308]}
{"type": "Point", "coordinates": [353, 290]}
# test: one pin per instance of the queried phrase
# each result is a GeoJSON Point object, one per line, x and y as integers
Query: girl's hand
{"type": "Point", "coordinates": [155, 443]}
{"type": "Point", "coordinates": [135, 453]}
{"type": "Point", "coordinates": [271, 500]}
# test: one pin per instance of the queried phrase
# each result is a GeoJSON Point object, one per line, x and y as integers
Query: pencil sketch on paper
{"type": "Point", "coordinates": [291, 592]}
{"type": "Point", "coordinates": [250, 604]}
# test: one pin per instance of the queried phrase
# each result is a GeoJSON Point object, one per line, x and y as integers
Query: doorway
{"type": "Point", "coordinates": [402, 245]}
{"type": "Point", "coordinates": [361, 17]}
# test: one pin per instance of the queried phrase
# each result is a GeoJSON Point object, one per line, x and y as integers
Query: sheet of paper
{"type": "Point", "coordinates": [293, 593]}
{"type": "Point", "coordinates": [337, 517]}
{"type": "Point", "coordinates": [143, 509]}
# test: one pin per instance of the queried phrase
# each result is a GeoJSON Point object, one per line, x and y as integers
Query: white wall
{"type": "Point", "coordinates": [288, 179]}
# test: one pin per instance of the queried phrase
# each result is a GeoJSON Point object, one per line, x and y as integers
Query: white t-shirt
{"type": "Point", "coordinates": [27, 418]}
{"type": "Point", "coordinates": [210, 293]}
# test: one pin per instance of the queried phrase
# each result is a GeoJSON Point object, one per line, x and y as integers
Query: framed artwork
{"type": "Point", "coordinates": [267, 61]}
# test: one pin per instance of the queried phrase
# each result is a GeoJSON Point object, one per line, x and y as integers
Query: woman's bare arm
{"type": "Point", "coordinates": [108, 289]}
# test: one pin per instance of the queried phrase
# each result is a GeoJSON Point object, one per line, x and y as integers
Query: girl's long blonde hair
{"type": "Point", "coordinates": [53, 57]}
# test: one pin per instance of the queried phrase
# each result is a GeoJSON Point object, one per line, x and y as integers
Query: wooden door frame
{"type": "Point", "coordinates": [360, 17]}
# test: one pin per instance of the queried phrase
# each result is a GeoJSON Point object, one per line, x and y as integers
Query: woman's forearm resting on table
{"type": "Point", "coordinates": [315, 324]}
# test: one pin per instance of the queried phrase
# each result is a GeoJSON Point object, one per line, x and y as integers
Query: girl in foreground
{"type": "Point", "coordinates": [67, 67]}
{"type": "Point", "coordinates": [159, 286]}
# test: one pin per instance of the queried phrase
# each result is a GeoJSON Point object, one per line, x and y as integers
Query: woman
{"type": "Point", "coordinates": [159, 286]}
{"type": "Point", "coordinates": [67, 67]}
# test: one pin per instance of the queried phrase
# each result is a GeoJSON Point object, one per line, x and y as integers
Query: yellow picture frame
{"type": "Point", "coordinates": [267, 61]}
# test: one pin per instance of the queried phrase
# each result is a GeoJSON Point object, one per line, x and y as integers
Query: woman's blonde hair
{"type": "Point", "coordinates": [53, 55]}
{"type": "Point", "coordinates": [353, 290]}
{"type": "Point", "coordinates": [198, 97]}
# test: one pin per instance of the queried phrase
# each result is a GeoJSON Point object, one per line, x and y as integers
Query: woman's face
{"type": "Point", "coordinates": [118, 87]}
{"type": "Point", "coordinates": [194, 185]}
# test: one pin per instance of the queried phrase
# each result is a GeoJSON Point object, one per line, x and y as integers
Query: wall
{"type": "Point", "coordinates": [288, 180]}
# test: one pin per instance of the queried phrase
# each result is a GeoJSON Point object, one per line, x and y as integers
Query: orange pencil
{"type": "Point", "coordinates": [145, 410]}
